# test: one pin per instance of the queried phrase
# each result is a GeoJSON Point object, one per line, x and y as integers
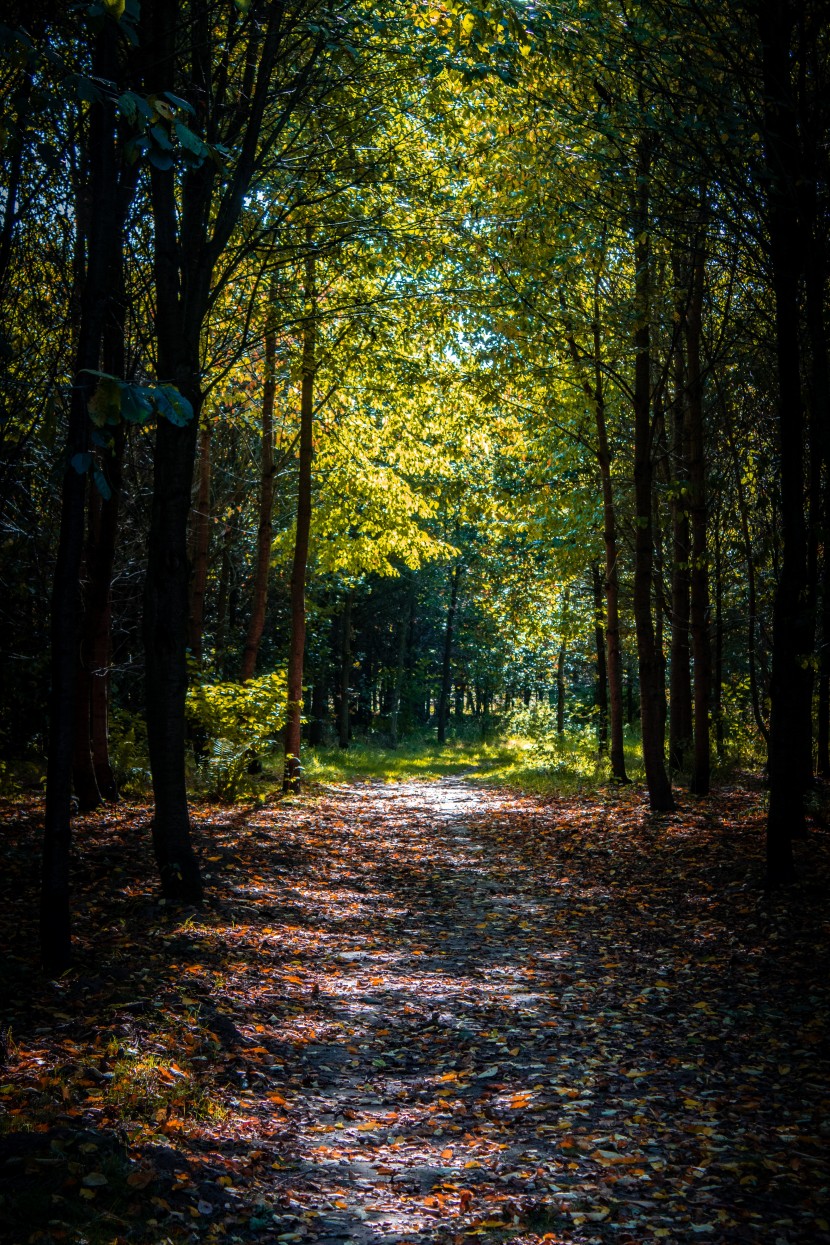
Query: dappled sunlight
{"type": "Point", "coordinates": [424, 1008]}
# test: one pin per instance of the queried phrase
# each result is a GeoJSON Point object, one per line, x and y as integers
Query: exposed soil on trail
{"type": "Point", "coordinates": [425, 1011]}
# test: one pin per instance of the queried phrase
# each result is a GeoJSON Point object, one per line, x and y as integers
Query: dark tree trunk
{"type": "Point", "coordinates": [680, 686]}
{"type": "Point", "coordinates": [193, 222]}
{"type": "Point", "coordinates": [223, 597]}
{"type": "Point", "coordinates": [319, 705]}
{"type": "Point", "coordinates": [400, 668]}
{"type": "Point", "coordinates": [699, 578]}
{"type": "Point", "coordinates": [343, 730]}
{"type": "Point", "coordinates": [601, 687]}
{"type": "Point", "coordinates": [752, 595]}
{"type": "Point", "coordinates": [200, 547]}
{"type": "Point", "coordinates": [55, 928]}
{"type": "Point", "coordinates": [717, 683]}
{"type": "Point", "coordinates": [446, 665]}
{"type": "Point", "coordinates": [660, 604]}
{"type": "Point", "coordinates": [296, 654]}
{"type": "Point", "coordinates": [560, 689]}
{"type": "Point", "coordinates": [93, 775]}
{"type": "Point", "coordinates": [266, 506]}
{"type": "Point", "coordinates": [612, 585]}
{"type": "Point", "coordinates": [652, 692]}
{"type": "Point", "coordinates": [790, 639]}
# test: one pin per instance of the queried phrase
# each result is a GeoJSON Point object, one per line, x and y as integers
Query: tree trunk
{"type": "Point", "coordinates": [266, 507]}
{"type": "Point", "coordinates": [55, 926]}
{"type": "Point", "coordinates": [790, 638]}
{"type": "Point", "coordinates": [652, 694]}
{"type": "Point", "coordinates": [291, 777]}
{"type": "Point", "coordinates": [400, 668]}
{"type": "Point", "coordinates": [680, 687]}
{"type": "Point", "coordinates": [699, 579]}
{"type": "Point", "coordinates": [93, 776]}
{"type": "Point", "coordinates": [446, 665]}
{"type": "Point", "coordinates": [560, 690]}
{"type": "Point", "coordinates": [96, 642]}
{"type": "Point", "coordinates": [601, 687]}
{"type": "Point", "coordinates": [345, 670]}
{"type": "Point", "coordinates": [717, 683]}
{"type": "Point", "coordinates": [612, 585]}
{"type": "Point", "coordinates": [200, 548]}
{"type": "Point", "coordinates": [319, 705]}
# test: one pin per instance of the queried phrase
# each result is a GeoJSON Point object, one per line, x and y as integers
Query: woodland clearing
{"type": "Point", "coordinates": [424, 1010]}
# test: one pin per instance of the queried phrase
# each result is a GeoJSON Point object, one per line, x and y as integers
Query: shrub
{"type": "Point", "coordinates": [240, 721]}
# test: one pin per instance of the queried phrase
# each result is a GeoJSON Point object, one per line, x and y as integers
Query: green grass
{"type": "Point", "coordinates": [548, 766]}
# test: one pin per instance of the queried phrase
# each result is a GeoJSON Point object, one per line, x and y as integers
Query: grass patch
{"type": "Point", "coordinates": [565, 764]}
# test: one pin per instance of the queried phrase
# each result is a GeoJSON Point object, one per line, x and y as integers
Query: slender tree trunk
{"type": "Point", "coordinates": [680, 688]}
{"type": "Point", "coordinates": [223, 596]}
{"type": "Point", "coordinates": [400, 668]}
{"type": "Point", "coordinates": [345, 670]}
{"type": "Point", "coordinates": [93, 776]}
{"type": "Point", "coordinates": [660, 603]}
{"type": "Point", "coordinates": [612, 584]}
{"type": "Point", "coordinates": [790, 639]}
{"type": "Point", "coordinates": [446, 665]}
{"type": "Point", "coordinates": [601, 687]}
{"type": "Point", "coordinates": [717, 685]}
{"type": "Point", "coordinates": [266, 506]}
{"type": "Point", "coordinates": [319, 704]}
{"type": "Point", "coordinates": [84, 782]}
{"type": "Point", "coordinates": [200, 547]}
{"type": "Point", "coordinates": [55, 927]}
{"type": "Point", "coordinates": [752, 595]}
{"type": "Point", "coordinates": [652, 694]}
{"type": "Point", "coordinates": [560, 689]}
{"type": "Point", "coordinates": [291, 779]}
{"type": "Point", "coordinates": [103, 522]}
{"type": "Point", "coordinates": [699, 578]}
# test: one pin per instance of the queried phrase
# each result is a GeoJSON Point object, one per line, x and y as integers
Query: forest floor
{"type": "Point", "coordinates": [423, 1011]}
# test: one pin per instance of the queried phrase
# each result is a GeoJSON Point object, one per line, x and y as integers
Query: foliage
{"type": "Point", "coordinates": [239, 722]}
{"type": "Point", "coordinates": [128, 754]}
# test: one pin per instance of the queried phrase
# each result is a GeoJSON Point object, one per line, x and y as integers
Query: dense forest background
{"type": "Point", "coordinates": [422, 367]}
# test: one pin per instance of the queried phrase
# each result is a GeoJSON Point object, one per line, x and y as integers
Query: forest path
{"type": "Point", "coordinates": [504, 1017]}
{"type": "Point", "coordinates": [431, 1011]}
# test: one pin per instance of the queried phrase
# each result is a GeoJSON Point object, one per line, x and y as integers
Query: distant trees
{"type": "Point", "coordinates": [567, 333]}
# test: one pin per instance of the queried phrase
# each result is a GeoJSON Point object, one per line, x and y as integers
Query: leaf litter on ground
{"type": "Point", "coordinates": [423, 1011]}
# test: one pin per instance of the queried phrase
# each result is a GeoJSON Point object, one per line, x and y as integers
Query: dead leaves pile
{"type": "Point", "coordinates": [424, 1011]}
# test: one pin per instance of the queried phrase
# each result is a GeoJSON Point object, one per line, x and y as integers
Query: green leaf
{"type": "Point", "coordinates": [81, 462]}
{"type": "Point", "coordinates": [190, 141]}
{"type": "Point", "coordinates": [160, 136]}
{"type": "Point", "coordinates": [136, 404]}
{"type": "Point", "coordinates": [105, 404]}
{"type": "Point", "coordinates": [172, 405]}
{"type": "Point", "coordinates": [101, 484]}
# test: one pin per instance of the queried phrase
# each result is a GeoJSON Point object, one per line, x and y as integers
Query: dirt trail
{"type": "Point", "coordinates": [438, 1013]}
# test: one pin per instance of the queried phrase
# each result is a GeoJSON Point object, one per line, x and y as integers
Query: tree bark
{"type": "Point", "coordinates": [400, 667]}
{"type": "Point", "coordinates": [790, 636]}
{"type": "Point", "coordinates": [652, 694]}
{"type": "Point", "coordinates": [291, 777]}
{"type": "Point", "coordinates": [680, 684]}
{"type": "Point", "coordinates": [55, 923]}
{"type": "Point", "coordinates": [601, 686]}
{"type": "Point", "coordinates": [345, 671]}
{"type": "Point", "coordinates": [266, 507]}
{"type": "Point", "coordinates": [446, 665]}
{"type": "Point", "coordinates": [560, 689]}
{"type": "Point", "coordinates": [200, 548]}
{"type": "Point", "coordinates": [612, 585]}
{"type": "Point", "coordinates": [699, 577]}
